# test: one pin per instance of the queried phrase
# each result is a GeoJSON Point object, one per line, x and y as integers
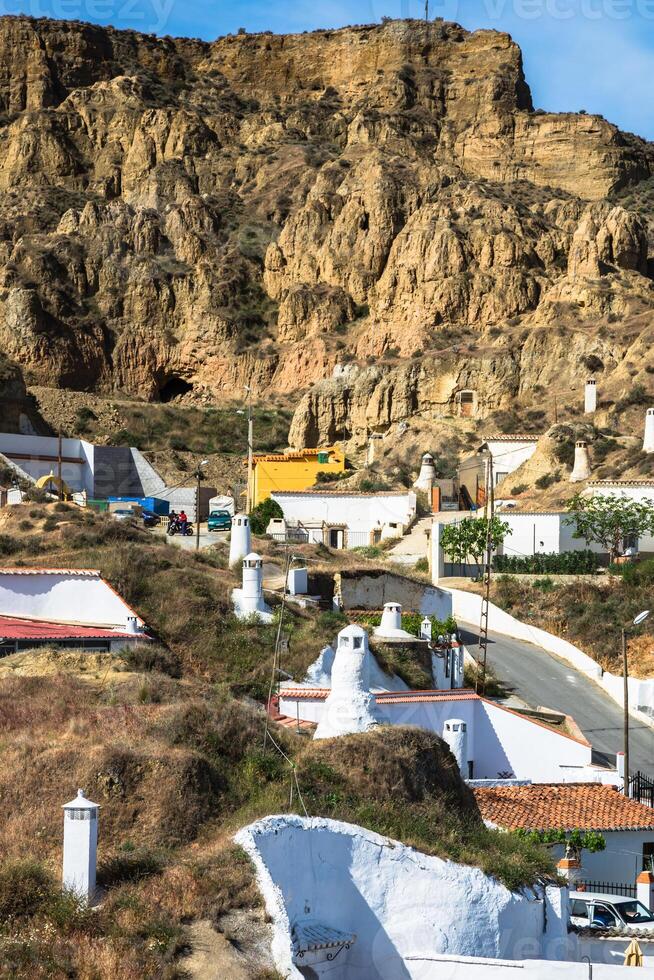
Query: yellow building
{"type": "Point", "coordinates": [293, 470]}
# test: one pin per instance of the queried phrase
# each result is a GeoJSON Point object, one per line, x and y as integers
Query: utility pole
{"type": "Point", "coordinates": [60, 492]}
{"type": "Point", "coordinates": [197, 503]}
{"type": "Point", "coordinates": [426, 9]}
{"type": "Point", "coordinates": [556, 411]}
{"type": "Point", "coordinates": [489, 513]}
{"type": "Point", "coordinates": [249, 500]}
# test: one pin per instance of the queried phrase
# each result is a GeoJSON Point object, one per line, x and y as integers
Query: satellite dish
{"type": "Point", "coordinates": [641, 617]}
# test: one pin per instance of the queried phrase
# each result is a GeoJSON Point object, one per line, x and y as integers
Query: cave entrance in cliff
{"type": "Point", "coordinates": [174, 387]}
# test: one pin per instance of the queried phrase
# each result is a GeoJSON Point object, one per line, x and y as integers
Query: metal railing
{"type": "Point", "coordinates": [607, 888]}
{"type": "Point", "coordinates": [641, 788]}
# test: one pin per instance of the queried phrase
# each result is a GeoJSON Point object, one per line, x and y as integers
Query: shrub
{"type": "Point", "coordinates": [546, 480]}
{"type": "Point", "coordinates": [129, 866]}
{"type": "Point", "coordinates": [516, 491]}
{"type": "Point", "coordinates": [26, 889]}
{"type": "Point", "coordinates": [262, 514]}
{"type": "Point", "coordinates": [422, 565]}
{"type": "Point", "coordinates": [566, 563]}
{"type": "Point", "coordinates": [151, 657]}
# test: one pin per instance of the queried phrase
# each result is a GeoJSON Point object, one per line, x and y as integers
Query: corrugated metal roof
{"type": "Point", "coordinates": [21, 629]}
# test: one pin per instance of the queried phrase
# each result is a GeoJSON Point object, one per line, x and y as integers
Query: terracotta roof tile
{"type": "Point", "coordinates": [21, 629]}
{"type": "Point", "coordinates": [382, 697]}
{"type": "Point", "coordinates": [562, 806]}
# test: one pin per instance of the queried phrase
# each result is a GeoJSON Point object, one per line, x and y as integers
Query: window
{"type": "Point", "coordinates": [648, 856]}
{"type": "Point", "coordinates": [358, 642]}
{"type": "Point", "coordinates": [633, 912]}
{"type": "Point", "coordinates": [578, 909]}
{"type": "Point", "coordinates": [323, 457]}
{"type": "Point", "coordinates": [604, 917]}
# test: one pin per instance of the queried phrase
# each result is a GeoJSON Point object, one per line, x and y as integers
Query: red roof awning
{"type": "Point", "coordinates": [22, 629]}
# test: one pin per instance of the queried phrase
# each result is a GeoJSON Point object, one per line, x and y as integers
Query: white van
{"type": "Point", "coordinates": [605, 911]}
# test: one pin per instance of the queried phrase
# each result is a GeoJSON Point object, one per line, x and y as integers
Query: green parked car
{"type": "Point", "coordinates": [219, 520]}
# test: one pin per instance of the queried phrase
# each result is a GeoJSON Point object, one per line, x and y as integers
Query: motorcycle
{"type": "Point", "coordinates": [175, 527]}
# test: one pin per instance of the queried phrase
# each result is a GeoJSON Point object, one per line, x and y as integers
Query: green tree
{"type": "Point", "coordinates": [574, 841]}
{"type": "Point", "coordinates": [468, 538]}
{"type": "Point", "coordinates": [262, 514]}
{"type": "Point", "coordinates": [607, 521]}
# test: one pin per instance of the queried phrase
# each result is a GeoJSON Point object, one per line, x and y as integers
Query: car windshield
{"type": "Point", "coordinates": [632, 912]}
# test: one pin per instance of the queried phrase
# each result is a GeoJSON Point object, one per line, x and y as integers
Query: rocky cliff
{"type": "Point", "coordinates": [382, 203]}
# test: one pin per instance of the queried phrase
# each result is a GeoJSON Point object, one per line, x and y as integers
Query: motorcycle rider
{"type": "Point", "coordinates": [183, 522]}
{"type": "Point", "coordinates": [172, 520]}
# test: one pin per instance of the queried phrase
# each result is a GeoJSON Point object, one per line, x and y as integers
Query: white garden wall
{"type": "Point", "coordinates": [404, 907]}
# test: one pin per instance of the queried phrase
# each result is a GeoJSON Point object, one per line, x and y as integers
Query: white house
{"type": "Point", "coordinates": [627, 826]}
{"type": "Point", "coordinates": [640, 491]}
{"type": "Point", "coordinates": [71, 608]}
{"type": "Point", "coordinates": [508, 452]}
{"type": "Point", "coordinates": [346, 519]}
{"type": "Point", "coordinates": [501, 743]}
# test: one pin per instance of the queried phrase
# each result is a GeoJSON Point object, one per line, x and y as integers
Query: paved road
{"type": "Point", "coordinates": [541, 679]}
{"type": "Point", "coordinates": [207, 539]}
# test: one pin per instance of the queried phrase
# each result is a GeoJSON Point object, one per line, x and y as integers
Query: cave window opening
{"type": "Point", "coordinates": [173, 388]}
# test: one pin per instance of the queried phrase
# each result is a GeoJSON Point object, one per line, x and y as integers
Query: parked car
{"type": "Point", "coordinates": [219, 520]}
{"type": "Point", "coordinates": [123, 515]}
{"type": "Point", "coordinates": [150, 519]}
{"type": "Point", "coordinates": [606, 911]}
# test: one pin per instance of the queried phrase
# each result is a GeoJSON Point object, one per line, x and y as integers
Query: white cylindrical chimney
{"type": "Point", "coordinates": [80, 846]}
{"type": "Point", "coordinates": [240, 544]}
{"type": "Point", "coordinates": [252, 591]}
{"type": "Point", "coordinates": [590, 397]}
{"type": "Point", "coordinates": [391, 618]}
{"type": "Point", "coordinates": [350, 707]}
{"type": "Point", "coordinates": [132, 625]}
{"type": "Point", "coordinates": [648, 442]}
{"type": "Point", "coordinates": [426, 628]}
{"type": "Point", "coordinates": [427, 474]}
{"type": "Point", "coordinates": [581, 468]}
{"type": "Point", "coordinates": [455, 733]}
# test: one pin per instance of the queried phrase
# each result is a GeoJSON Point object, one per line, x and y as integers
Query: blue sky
{"type": "Point", "coordinates": [596, 55]}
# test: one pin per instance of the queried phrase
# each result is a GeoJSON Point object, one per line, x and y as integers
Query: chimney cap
{"type": "Point", "coordinates": [81, 802]}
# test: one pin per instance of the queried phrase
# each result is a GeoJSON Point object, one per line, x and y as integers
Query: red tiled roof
{"type": "Point", "coordinates": [32, 629]}
{"type": "Point", "coordinates": [562, 806]}
{"type": "Point", "coordinates": [87, 572]}
{"type": "Point", "coordinates": [340, 493]}
{"type": "Point", "coordinates": [382, 697]}
{"type": "Point", "coordinates": [517, 437]}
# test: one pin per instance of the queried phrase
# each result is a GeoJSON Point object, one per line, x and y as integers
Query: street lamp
{"type": "Point", "coordinates": [640, 618]}
{"type": "Point", "coordinates": [205, 462]}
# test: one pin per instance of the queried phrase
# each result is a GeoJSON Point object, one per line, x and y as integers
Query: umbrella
{"type": "Point", "coordinates": [634, 954]}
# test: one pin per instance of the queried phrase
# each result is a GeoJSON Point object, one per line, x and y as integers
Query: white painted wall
{"type": "Point", "coordinates": [361, 513]}
{"type": "Point", "coordinates": [508, 456]}
{"type": "Point", "coordinates": [621, 862]}
{"type": "Point", "coordinates": [63, 597]}
{"type": "Point", "coordinates": [402, 905]}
